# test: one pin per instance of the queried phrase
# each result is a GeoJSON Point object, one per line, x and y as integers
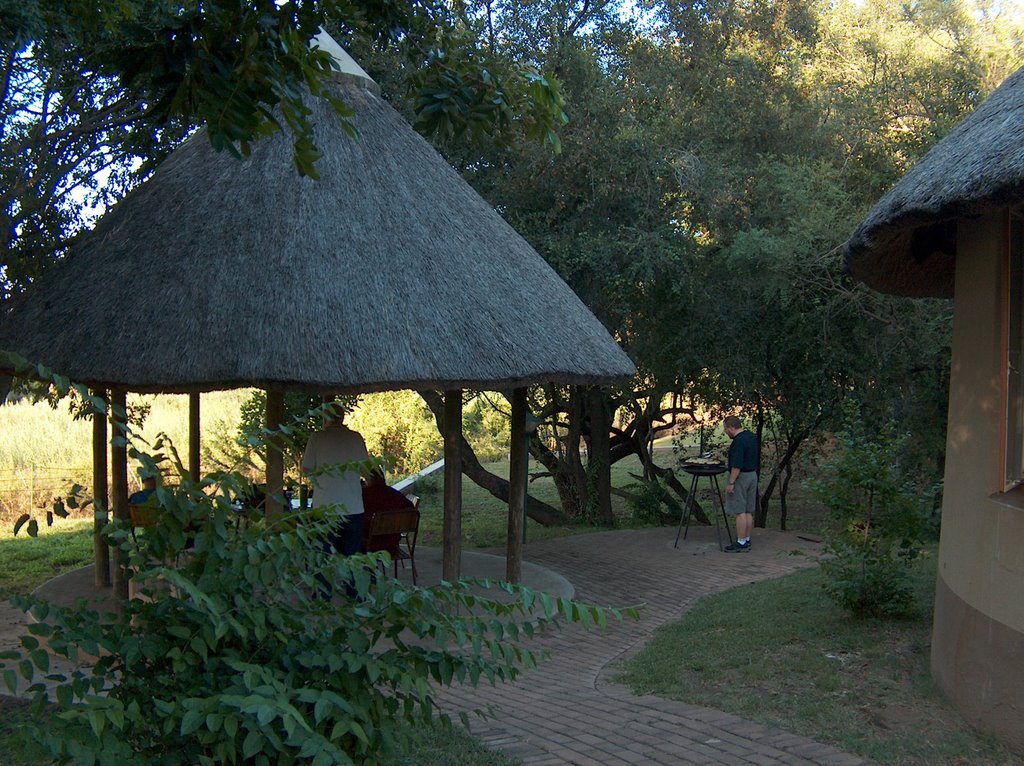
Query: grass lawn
{"type": "Point", "coordinates": [485, 518]}
{"type": "Point", "coordinates": [782, 654]}
{"type": "Point", "coordinates": [27, 562]}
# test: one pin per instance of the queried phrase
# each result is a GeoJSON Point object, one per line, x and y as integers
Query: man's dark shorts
{"type": "Point", "coordinates": [744, 495]}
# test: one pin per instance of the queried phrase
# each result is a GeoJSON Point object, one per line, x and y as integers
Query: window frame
{"type": "Point", "coordinates": [1013, 357]}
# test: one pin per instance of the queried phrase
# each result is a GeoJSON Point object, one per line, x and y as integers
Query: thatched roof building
{"type": "Point", "coordinates": [958, 213]}
{"type": "Point", "coordinates": [907, 244]}
{"type": "Point", "coordinates": [388, 273]}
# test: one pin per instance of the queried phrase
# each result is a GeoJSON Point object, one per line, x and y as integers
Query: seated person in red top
{"type": "Point", "coordinates": [378, 496]}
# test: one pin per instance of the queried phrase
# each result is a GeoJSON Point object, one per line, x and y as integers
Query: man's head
{"type": "Point", "coordinates": [333, 413]}
{"type": "Point", "coordinates": [733, 425]}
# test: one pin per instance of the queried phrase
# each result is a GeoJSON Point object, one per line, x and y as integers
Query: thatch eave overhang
{"type": "Point", "coordinates": [907, 243]}
{"type": "Point", "coordinates": [7, 375]}
{"type": "Point", "coordinates": [388, 273]}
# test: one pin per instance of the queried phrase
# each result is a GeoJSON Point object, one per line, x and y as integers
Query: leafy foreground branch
{"type": "Point", "coordinates": [231, 657]}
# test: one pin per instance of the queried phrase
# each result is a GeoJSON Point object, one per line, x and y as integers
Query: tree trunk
{"type": "Point", "coordinates": [537, 510]}
{"type": "Point", "coordinates": [577, 472]}
{"type": "Point", "coordinates": [556, 463]}
{"type": "Point", "coordinates": [793, 443]}
{"type": "Point", "coordinates": [783, 506]}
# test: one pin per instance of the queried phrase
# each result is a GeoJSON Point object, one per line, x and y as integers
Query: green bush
{"type": "Point", "coordinates": [647, 502]}
{"type": "Point", "coordinates": [881, 518]}
{"type": "Point", "coordinates": [398, 426]}
{"type": "Point", "coordinates": [487, 430]}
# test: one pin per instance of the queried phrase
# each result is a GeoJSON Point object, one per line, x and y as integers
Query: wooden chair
{"type": "Point", "coordinates": [403, 522]}
{"type": "Point", "coordinates": [143, 515]}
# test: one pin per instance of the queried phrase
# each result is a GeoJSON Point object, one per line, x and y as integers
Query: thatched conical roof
{"type": "Point", "coordinates": [907, 244]}
{"type": "Point", "coordinates": [390, 272]}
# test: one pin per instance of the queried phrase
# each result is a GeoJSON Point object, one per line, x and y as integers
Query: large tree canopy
{"type": "Point", "coordinates": [718, 155]}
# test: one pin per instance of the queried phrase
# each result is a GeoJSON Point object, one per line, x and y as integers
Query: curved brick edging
{"type": "Point", "coordinates": [569, 711]}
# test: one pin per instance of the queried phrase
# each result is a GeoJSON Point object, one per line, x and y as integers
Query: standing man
{"type": "Point", "coordinates": [334, 457]}
{"type": "Point", "coordinates": [741, 494]}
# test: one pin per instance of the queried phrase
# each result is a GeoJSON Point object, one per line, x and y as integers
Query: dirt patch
{"type": "Point", "coordinates": [900, 717]}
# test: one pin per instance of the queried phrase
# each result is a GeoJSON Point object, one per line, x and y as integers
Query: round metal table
{"type": "Point", "coordinates": [712, 471]}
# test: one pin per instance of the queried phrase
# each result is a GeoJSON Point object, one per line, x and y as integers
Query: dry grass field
{"type": "Point", "coordinates": [43, 450]}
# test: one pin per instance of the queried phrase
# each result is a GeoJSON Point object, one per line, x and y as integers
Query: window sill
{"type": "Point", "coordinates": [1012, 498]}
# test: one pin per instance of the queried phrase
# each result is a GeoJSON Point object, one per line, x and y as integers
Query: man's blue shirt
{"type": "Point", "coordinates": [743, 452]}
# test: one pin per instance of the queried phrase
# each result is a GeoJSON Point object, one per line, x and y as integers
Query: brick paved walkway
{"type": "Point", "coordinates": [570, 711]}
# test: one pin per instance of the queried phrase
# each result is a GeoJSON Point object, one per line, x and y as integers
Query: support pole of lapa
{"type": "Point", "coordinates": [101, 553]}
{"type": "Point", "coordinates": [275, 455]}
{"type": "Point", "coordinates": [119, 485]}
{"type": "Point", "coordinates": [193, 435]}
{"type": "Point", "coordinates": [518, 456]}
{"type": "Point", "coordinates": [451, 552]}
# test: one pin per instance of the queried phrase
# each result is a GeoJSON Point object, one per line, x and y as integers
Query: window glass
{"type": "Point", "coordinates": [1015, 356]}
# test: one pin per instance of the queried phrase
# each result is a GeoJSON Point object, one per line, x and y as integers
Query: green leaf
{"type": "Point", "coordinates": [321, 710]}
{"type": "Point", "coordinates": [22, 520]}
{"type": "Point", "coordinates": [97, 721]}
{"type": "Point", "coordinates": [265, 714]}
{"type": "Point", "coordinates": [191, 721]}
{"type": "Point", "coordinates": [253, 744]}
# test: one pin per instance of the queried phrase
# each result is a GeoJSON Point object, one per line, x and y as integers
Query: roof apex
{"type": "Point", "coordinates": [345, 63]}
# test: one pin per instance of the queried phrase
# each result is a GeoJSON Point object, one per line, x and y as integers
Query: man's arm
{"type": "Point", "coordinates": [734, 474]}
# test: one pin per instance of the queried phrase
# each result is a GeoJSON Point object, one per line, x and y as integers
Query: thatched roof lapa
{"type": "Point", "coordinates": [390, 272]}
{"type": "Point", "coordinates": [907, 244]}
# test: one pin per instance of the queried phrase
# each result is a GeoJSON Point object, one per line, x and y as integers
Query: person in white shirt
{"type": "Point", "coordinates": [333, 459]}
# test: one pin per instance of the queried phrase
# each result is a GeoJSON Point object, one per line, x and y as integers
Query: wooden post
{"type": "Point", "coordinates": [451, 552]}
{"type": "Point", "coordinates": [518, 457]}
{"type": "Point", "coordinates": [599, 461]}
{"type": "Point", "coordinates": [275, 457]}
{"type": "Point", "coordinates": [119, 485]}
{"type": "Point", "coordinates": [193, 435]}
{"type": "Point", "coordinates": [101, 554]}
